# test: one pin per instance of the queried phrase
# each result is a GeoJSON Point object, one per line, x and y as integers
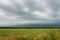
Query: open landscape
{"type": "Point", "coordinates": [29, 19]}
{"type": "Point", "coordinates": [30, 34]}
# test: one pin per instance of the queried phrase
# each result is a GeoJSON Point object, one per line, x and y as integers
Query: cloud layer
{"type": "Point", "coordinates": [29, 11]}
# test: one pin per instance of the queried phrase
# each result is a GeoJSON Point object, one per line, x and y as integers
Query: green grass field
{"type": "Point", "coordinates": [30, 34]}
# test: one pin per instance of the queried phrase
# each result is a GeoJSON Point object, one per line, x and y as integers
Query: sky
{"type": "Point", "coordinates": [14, 12]}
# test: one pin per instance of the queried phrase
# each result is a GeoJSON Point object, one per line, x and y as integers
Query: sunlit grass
{"type": "Point", "coordinates": [29, 34]}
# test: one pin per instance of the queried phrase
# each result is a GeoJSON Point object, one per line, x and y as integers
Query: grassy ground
{"type": "Point", "coordinates": [30, 34]}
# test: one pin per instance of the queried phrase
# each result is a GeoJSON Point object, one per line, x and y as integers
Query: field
{"type": "Point", "coordinates": [30, 34]}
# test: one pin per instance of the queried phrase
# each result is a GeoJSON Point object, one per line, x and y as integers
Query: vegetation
{"type": "Point", "coordinates": [29, 34]}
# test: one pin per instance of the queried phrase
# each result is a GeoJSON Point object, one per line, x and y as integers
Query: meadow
{"type": "Point", "coordinates": [30, 34]}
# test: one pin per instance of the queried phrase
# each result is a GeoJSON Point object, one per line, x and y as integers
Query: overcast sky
{"type": "Point", "coordinates": [29, 11]}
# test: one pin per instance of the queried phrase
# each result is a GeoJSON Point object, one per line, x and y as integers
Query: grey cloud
{"type": "Point", "coordinates": [15, 9]}
{"type": "Point", "coordinates": [55, 5]}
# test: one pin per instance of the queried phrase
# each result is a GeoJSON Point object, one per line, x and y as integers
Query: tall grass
{"type": "Point", "coordinates": [47, 35]}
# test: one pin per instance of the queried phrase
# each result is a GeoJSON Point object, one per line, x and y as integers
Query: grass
{"type": "Point", "coordinates": [30, 34]}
